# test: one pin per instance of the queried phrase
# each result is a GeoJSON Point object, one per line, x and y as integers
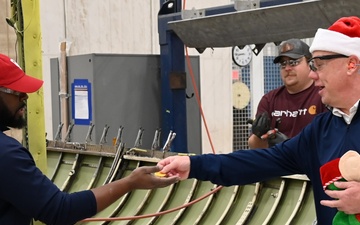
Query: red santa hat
{"type": "Point", "coordinates": [342, 37]}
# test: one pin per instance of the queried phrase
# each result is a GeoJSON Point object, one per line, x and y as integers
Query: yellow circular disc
{"type": "Point", "coordinates": [159, 174]}
{"type": "Point", "coordinates": [241, 95]}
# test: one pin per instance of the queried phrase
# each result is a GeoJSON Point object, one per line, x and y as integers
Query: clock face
{"type": "Point", "coordinates": [242, 56]}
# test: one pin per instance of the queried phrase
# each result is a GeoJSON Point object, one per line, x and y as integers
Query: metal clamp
{"type": "Point", "coordinates": [138, 141]}
{"type": "Point", "coordinates": [170, 138]}
{"type": "Point", "coordinates": [104, 134]}
{"type": "Point", "coordinates": [88, 135]}
{"type": "Point", "coordinates": [156, 142]}
{"type": "Point", "coordinates": [67, 136]}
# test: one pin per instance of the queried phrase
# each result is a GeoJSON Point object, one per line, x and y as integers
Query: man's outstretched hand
{"type": "Point", "coordinates": [178, 166]}
{"type": "Point", "coordinates": [144, 178]}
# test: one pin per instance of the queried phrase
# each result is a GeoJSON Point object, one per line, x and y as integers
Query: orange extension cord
{"type": "Point", "coordinates": [154, 214]}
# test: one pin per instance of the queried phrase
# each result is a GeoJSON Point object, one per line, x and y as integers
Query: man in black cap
{"type": "Point", "coordinates": [292, 106]}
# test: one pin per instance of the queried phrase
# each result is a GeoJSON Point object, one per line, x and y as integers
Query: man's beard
{"type": "Point", "coordinates": [8, 119]}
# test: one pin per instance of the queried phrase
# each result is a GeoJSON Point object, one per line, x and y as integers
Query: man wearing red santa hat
{"type": "Point", "coordinates": [339, 87]}
{"type": "Point", "coordinates": [335, 69]}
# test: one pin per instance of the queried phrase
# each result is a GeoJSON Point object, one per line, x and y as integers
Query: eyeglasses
{"type": "Point", "coordinates": [314, 67]}
{"type": "Point", "coordinates": [290, 62]}
{"type": "Point", "coordinates": [9, 91]}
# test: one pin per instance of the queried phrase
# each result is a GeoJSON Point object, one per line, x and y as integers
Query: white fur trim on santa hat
{"type": "Point", "coordinates": [332, 41]}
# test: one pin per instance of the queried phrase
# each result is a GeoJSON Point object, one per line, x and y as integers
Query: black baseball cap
{"type": "Point", "coordinates": [293, 48]}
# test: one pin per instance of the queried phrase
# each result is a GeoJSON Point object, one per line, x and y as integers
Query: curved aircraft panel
{"type": "Point", "coordinates": [285, 200]}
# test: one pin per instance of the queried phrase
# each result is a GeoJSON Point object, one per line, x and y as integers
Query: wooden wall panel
{"type": "Point", "coordinates": [110, 26]}
{"type": "Point", "coordinates": [7, 34]}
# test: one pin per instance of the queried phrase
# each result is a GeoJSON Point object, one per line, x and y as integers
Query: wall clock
{"type": "Point", "coordinates": [242, 56]}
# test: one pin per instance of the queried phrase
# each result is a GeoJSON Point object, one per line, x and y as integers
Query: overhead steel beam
{"type": "Point", "coordinates": [263, 25]}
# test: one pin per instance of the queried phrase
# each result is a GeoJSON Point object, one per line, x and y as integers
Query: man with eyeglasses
{"type": "Point", "coordinates": [26, 193]}
{"type": "Point", "coordinates": [335, 69]}
{"type": "Point", "coordinates": [288, 108]}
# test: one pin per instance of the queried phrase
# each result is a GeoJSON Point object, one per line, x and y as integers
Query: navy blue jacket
{"type": "Point", "coordinates": [26, 193]}
{"type": "Point", "coordinates": [327, 137]}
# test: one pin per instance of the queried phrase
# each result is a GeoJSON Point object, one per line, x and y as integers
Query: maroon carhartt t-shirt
{"type": "Point", "coordinates": [295, 110]}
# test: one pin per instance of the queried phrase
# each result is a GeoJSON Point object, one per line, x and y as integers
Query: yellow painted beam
{"type": "Point", "coordinates": [25, 20]}
{"type": "Point", "coordinates": [33, 66]}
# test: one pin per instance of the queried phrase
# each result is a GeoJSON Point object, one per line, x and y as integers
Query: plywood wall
{"type": "Point", "coordinates": [7, 34]}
